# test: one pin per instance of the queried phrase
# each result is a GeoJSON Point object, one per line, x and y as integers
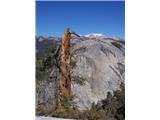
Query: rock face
{"type": "Point", "coordinates": [101, 62]}
{"type": "Point", "coordinates": [45, 90]}
{"type": "Point", "coordinates": [45, 93]}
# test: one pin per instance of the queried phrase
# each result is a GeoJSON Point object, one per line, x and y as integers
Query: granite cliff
{"type": "Point", "coordinates": [99, 60]}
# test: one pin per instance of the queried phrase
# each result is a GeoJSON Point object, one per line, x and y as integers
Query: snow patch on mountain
{"type": "Point", "coordinates": [92, 35]}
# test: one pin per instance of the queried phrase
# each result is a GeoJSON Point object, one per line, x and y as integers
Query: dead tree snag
{"type": "Point", "coordinates": [64, 83]}
{"type": "Point", "coordinates": [64, 80]}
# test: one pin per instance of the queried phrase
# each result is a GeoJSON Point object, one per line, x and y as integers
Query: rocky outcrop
{"type": "Point", "coordinates": [101, 63]}
{"type": "Point", "coordinates": [46, 90]}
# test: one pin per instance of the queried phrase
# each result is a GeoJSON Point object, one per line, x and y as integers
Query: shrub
{"type": "Point", "coordinates": [78, 79]}
{"type": "Point", "coordinates": [45, 62]}
{"type": "Point", "coordinates": [114, 105]}
{"type": "Point", "coordinates": [67, 102]}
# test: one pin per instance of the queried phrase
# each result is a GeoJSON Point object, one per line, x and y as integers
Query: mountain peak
{"type": "Point", "coordinates": [95, 35]}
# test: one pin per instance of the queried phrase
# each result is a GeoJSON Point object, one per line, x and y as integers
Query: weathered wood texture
{"type": "Point", "coordinates": [65, 80]}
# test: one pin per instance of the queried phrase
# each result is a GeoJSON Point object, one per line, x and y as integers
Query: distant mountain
{"type": "Point", "coordinates": [43, 40]}
{"type": "Point", "coordinates": [93, 35]}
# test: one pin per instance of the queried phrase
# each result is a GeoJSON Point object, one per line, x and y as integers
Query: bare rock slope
{"type": "Point", "coordinates": [101, 62]}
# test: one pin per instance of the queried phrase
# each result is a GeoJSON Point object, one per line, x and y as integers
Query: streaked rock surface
{"type": "Point", "coordinates": [102, 65]}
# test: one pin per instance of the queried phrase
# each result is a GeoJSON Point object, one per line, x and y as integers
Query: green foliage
{"type": "Point", "coordinates": [92, 114]}
{"type": "Point", "coordinates": [78, 79]}
{"type": "Point", "coordinates": [67, 101]}
{"type": "Point", "coordinates": [71, 113]}
{"type": "Point", "coordinates": [40, 73]}
{"type": "Point", "coordinates": [114, 105]}
{"type": "Point", "coordinates": [41, 110]}
{"type": "Point", "coordinates": [45, 61]}
{"type": "Point", "coordinates": [73, 64]}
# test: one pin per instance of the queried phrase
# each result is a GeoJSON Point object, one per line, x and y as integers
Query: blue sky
{"type": "Point", "coordinates": [106, 17]}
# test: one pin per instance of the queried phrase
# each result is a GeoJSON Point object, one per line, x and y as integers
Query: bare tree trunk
{"type": "Point", "coordinates": [64, 83]}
